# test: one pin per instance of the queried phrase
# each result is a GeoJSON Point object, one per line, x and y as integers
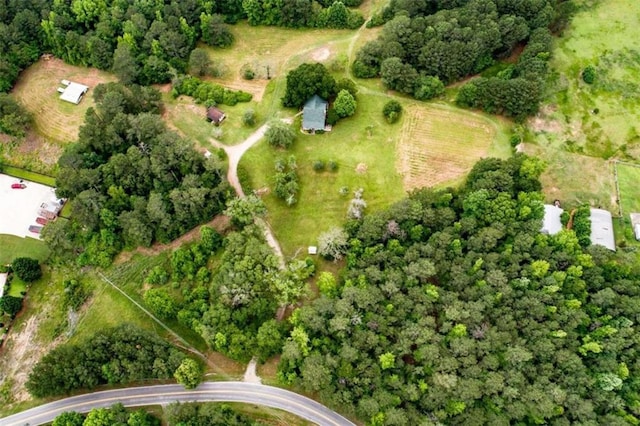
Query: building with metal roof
{"type": "Point", "coordinates": [602, 229]}
{"type": "Point", "coordinates": [314, 114]}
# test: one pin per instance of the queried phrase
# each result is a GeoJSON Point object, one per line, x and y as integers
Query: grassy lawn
{"type": "Point", "coordinates": [364, 141]}
{"type": "Point", "coordinates": [29, 175]}
{"type": "Point", "coordinates": [576, 179]}
{"type": "Point", "coordinates": [598, 119]}
{"type": "Point", "coordinates": [55, 119]}
{"type": "Point", "coordinates": [17, 287]}
{"type": "Point", "coordinates": [628, 178]}
{"type": "Point", "coordinates": [13, 247]}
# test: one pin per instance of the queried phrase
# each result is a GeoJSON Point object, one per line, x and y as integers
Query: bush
{"type": "Point", "coordinates": [392, 111]}
{"type": "Point", "coordinates": [333, 166]}
{"type": "Point", "coordinates": [332, 117]}
{"type": "Point", "coordinates": [27, 269]}
{"type": "Point", "coordinates": [10, 305]}
{"type": "Point", "coordinates": [248, 74]}
{"type": "Point", "coordinates": [589, 74]}
{"type": "Point", "coordinates": [318, 165]}
{"type": "Point", "coordinates": [249, 117]}
{"type": "Point", "coordinates": [280, 135]}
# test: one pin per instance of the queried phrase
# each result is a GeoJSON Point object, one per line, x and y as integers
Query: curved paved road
{"type": "Point", "coordinates": [249, 393]}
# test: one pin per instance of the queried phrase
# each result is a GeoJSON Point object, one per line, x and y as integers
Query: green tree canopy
{"type": "Point", "coordinates": [308, 80]}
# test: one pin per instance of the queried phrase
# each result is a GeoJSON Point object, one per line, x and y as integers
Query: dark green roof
{"type": "Point", "coordinates": [314, 113]}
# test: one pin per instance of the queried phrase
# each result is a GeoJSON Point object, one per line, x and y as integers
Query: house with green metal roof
{"type": "Point", "coordinates": [314, 114]}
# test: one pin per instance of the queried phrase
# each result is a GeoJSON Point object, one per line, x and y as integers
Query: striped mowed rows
{"type": "Point", "coordinates": [440, 145]}
{"type": "Point", "coordinates": [54, 118]}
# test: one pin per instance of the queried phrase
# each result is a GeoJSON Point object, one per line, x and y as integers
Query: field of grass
{"type": "Point", "coordinates": [12, 247]}
{"type": "Point", "coordinates": [598, 119]}
{"type": "Point", "coordinates": [36, 89]}
{"type": "Point", "coordinates": [628, 178]}
{"type": "Point", "coordinates": [440, 144]}
{"type": "Point", "coordinates": [576, 179]}
{"type": "Point", "coordinates": [364, 141]}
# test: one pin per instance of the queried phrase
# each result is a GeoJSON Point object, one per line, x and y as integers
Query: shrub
{"type": "Point", "coordinates": [318, 165]}
{"type": "Point", "coordinates": [589, 74]}
{"type": "Point", "coordinates": [249, 117]}
{"type": "Point", "coordinates": [332, 116]}
{"type": "Point", "coordinates": [27, 269]}
{"type": "Point", "coordinates": [332, 165]}
{"type": "Point", "coordinates": [392, 111]}
{"type": "Point", "coordinates": [248, 74]}
{"type": "Point", "coordinates": [280, 135]}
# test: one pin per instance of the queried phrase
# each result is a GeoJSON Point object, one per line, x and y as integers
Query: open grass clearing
{"type": "Point", "coordinates": [54, 118]}
{"type": "Point", "coordinates": [440, 144]}
{"type": "Point", "coordinates": [628, 179]}
{"type": "Point", "coordinates": [576, 179]}
{"type": "Point", "coordinates": [364, 141]}
{"type": "Point", "coordinates": [268, 52]}
{"type": "Point", "coordinates": [13, 247]}
{"type": "Point", "coordinates": [189, 119]}
{"type": "Point", "coordinates": [598, 119]}
{"type": "Point", "coordinates": [269, 416]}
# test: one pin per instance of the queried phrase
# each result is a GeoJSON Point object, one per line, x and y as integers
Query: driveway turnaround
{"type": "Point", "coordinates": [249, 393]}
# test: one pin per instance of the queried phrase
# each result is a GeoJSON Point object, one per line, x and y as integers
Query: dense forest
{"type": "Point", "coordinates": [455, 308]}
{"type": "Point", "coordinates": [131, 181]}
{"type": "Point", "coordinates": [449, 40]}
{"type": "Point", "coordinates": [119, 355]}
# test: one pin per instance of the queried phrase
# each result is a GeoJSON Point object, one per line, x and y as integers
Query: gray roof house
{"type": "Point", "coordinates": [551, 224]}
{"type": "Point", "coordinates": [602, 229]}
{"type": "Point", "coordinates": [314, 114]}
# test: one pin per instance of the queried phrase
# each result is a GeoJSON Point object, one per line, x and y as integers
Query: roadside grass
{"type": "Point", "coordinates": [575, 179]}
{"type": "Point", "coordinates": [628, 178]}
{"type": "Point", "coordinates": [13, 247]}
{"type": "Point", "coordinates": [365, 141]}
{"type": "Point", "coordinates": [598, 119]}
{"type": "Point", "coordinates": [53, 118]}
{"type": "Point", "coordinates": [29, 175]}
{"type": "Point", "coordinates": [269, 416]}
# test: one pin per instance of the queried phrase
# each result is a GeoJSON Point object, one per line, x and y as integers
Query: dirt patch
{"type": "Point", "coordinates": [321, 54]}
{"type": "Point", "coordinates": [438, 146]}
{"type": "Point", "coordinates": [361, 168]}
{"type": "Point", "coordinates": [20, 353]}
{"type": "Point", "coordinates": [220, 223]}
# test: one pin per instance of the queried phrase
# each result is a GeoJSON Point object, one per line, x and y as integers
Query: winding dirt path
{"type": "Point", "coordinates": [234, 154]}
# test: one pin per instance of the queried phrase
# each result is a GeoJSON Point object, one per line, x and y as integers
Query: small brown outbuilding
{"type": "Point", "coordinates": [215, 115]}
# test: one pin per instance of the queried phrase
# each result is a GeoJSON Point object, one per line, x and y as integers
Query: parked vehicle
{"type": "Point", "coordinates": [35, 229]}
{"type": "Point", "coordinates": [18, 186]}
{"type": "Point", "coordinates": [41, 220]}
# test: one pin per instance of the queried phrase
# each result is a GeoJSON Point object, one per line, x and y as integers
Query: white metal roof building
{"type": "Point", "coordinates": [74, 92]}
{"type": "Point", "coordinates": [551, 224]}
{"type": "Point", "coordinates": [602, 229]}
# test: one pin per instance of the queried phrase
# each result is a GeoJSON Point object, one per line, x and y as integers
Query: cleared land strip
{"type": "Point", "coordinates": [250, 393]}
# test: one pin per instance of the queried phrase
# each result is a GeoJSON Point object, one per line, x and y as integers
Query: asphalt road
{"type": "Point", "coordinates": [250, 393]}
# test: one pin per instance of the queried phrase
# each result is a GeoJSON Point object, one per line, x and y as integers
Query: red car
{"type": "Point", "coordinates": [41, 221]}
{"type": "Point", "coordinates": [18, 186]}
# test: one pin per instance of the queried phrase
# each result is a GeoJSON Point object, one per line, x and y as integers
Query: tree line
{"type": "Point", "coordinates": [454, 308]}
{"type": "Point", "coordinates": [130, 180]}
{"type": "Point", "coordinates": [118, 355]}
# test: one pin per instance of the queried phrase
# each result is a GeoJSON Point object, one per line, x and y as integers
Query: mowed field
{"type": "Point", "coordinates": [439, 145]}
{"type": "Point", "coordinates": [55, 119]}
